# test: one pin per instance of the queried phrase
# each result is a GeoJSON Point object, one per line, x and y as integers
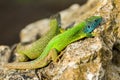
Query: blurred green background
{"type": "Point", "coordinates": [16, 14]}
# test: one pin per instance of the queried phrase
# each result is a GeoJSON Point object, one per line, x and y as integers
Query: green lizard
{"type": "Point", "coordinates": [34, 49]}
{"type": "Point", "coordinates": [59, 42]}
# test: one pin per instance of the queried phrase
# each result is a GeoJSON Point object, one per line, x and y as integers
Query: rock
{"type": "Point", "coordinates": [94, 58]}
{"type": "Point", "coordinates": [4, 55]}
{"type": "Point", "coordinates": [34, 30]}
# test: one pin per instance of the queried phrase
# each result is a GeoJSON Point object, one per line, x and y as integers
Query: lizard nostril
{"type": "Point", "coordinates": [95, 20]}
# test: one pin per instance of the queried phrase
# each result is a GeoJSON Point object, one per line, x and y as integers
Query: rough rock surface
{"type": "Point", "coordinates": [94, 58]}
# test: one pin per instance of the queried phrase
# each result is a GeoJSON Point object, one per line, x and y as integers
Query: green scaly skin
{"type": "Point", "coordinates": [34, 49]}
{"type": "Point", "coordinates": [59, 42]}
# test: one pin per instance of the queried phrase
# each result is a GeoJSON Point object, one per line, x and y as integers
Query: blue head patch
{"type": "Point", "coordinates": [92, 23]}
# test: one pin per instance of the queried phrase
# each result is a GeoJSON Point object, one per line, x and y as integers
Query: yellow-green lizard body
{"type": "Point", "coordinates": [34, 49]}
{"type": "Point", "coordinates": [59, 42]}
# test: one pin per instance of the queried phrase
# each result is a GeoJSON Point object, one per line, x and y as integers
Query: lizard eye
{"type": "Point", "coordinates": [88, 26]}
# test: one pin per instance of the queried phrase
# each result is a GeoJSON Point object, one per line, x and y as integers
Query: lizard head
{"type": "Point", "coordinates": [91, 23]}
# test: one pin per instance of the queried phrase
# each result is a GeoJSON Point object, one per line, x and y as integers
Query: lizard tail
{"type": "Point", "coordinates": [28, 65]}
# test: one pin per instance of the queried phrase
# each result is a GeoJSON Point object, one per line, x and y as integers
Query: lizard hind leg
{"type": "Point", "coordinates": [53, 54]}
{"type": "Point", "coordinates": [21, 58]}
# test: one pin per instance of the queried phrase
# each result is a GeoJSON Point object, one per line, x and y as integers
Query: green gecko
{"type": "Point", "coordinates": [33, 50]}
{"type": "Point", "coordinates": [59, 42]}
